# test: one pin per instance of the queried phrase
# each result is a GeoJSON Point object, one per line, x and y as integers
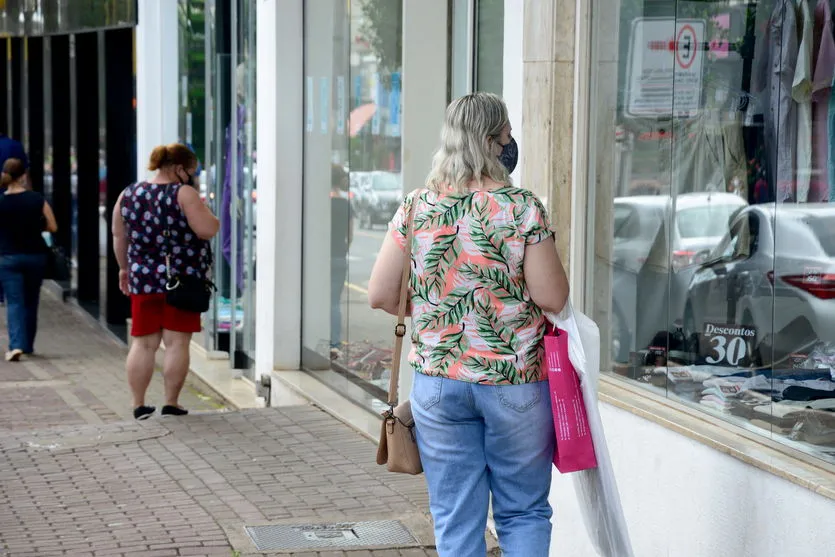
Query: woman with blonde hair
{"type": "Point", "coordinates": [484, 269]}
{"type": "Point", "coordinates": [24, 216]}
{"type": "Point", "coordinates": [161, 229]}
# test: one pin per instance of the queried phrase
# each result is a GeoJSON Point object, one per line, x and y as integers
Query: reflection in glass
{"type": "Point", "coordinates": [713, 269]}
{"type": "Point", "coordinates": [353, 184]}
{"type": "Point", "coordinates": [490, 46]}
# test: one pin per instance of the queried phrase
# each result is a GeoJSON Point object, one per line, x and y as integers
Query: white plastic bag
{"type": "Point", "coordinates": [596, 489]}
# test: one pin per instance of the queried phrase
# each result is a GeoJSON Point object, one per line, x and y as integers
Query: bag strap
{"type": "Point", "coordinates": [400, 328]}
{"type": "Point", "coordinates": [167, 232]}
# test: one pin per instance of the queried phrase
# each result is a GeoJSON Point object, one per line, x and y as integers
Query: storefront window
{"type": "Point", "coordinates": [489, 35]}
{"type": "Point", "coordinates": [711, 231]}
{"type": "Point", "coordinates": [217, 119]}
{"type": "Point", "coordinates": [352, 183]}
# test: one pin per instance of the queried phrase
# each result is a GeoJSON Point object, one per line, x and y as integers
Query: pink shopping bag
{"type": "Point", "coordinates": [575, 448]}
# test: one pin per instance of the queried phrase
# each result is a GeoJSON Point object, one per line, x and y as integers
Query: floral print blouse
{"type": "Point", "coordinates": [149, 210]}
{"type": "Point", "coordinates": [472, 315]}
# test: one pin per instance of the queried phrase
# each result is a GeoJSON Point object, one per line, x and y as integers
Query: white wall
{"type": "Point", "coordinates": [157, 78]}
{"type": "Point", "coordinates": [684, 499]}
{"type": "Point", "coordinates": [280, 130]}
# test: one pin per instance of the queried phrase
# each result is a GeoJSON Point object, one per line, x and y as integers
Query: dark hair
{"type": "Point", "coordinates": [13, 169]}
{"type": "Point", "coordinates": [338, 177]}
{"type": "Point", "coordinates": [173, 154]}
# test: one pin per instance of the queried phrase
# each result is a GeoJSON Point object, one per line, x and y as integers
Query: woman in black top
{"type": "Point", "coordinates": [24, 215]}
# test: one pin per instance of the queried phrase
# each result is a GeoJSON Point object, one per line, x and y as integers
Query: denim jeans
{"type": "Point", "coordinates": [21, 276]}
{"type": "Point", "coordinates": [475, 440]}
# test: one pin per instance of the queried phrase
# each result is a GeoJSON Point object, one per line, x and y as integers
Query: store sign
{"type": "Point", "coordinates": [666, 59]}
{"type": "Point", "coordinates": [727, 345]}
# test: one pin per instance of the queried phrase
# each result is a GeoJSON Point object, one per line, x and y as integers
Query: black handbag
{"type": "Point", "coordinates": [186, 292]}
{"type": "Point", "coordinates": [57, 265]}
{"type": "Point", "coordinates": [189, 293]}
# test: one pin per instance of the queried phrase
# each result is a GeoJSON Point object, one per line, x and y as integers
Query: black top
{"type": "Point", "coordinates": [21, 223]}
{"type": "Point", "coordinates": [340, 223]}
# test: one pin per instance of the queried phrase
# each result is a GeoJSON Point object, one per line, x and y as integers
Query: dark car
{"type": "Point", "coordinates": [773, 277]}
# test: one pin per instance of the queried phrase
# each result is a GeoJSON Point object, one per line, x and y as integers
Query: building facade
{"type": "Point", "coordinates": [684, 151]}
{"type": "Point", "coordinates": [67, 94]}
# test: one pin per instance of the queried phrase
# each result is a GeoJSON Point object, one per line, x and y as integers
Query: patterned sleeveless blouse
{"type": "Point", "coordinates": [149, 210]}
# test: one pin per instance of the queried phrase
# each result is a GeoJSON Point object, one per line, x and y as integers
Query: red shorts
{"type": "Point", "coordinates": [150, 314]}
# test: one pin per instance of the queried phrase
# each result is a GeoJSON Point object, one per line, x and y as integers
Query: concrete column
{"type": "Point", "coordinates": [157, 78]}
{"type": "Point", "coordinates": [280, 88]}
{"type": "Point", "coordinates": [425, 51]}
{"type": "Point", "coordinates": [547, 115]}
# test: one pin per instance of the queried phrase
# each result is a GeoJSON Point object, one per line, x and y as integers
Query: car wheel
{"type": "Point", "coordinates": [619, 343]}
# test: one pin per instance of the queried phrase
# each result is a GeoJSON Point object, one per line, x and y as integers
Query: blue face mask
{"type": "Point", "coordinates": [510, 155]}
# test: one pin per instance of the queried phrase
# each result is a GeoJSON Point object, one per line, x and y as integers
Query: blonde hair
{"type": "Point", "coordinates": [465, 154]}
{"type": "Point", "coordinates": [173, 154]}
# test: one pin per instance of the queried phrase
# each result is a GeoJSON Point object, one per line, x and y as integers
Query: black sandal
{"type": "Point", "coordinates": [143, 412]}
{"type": "Point", "coordinates": [169, 410]}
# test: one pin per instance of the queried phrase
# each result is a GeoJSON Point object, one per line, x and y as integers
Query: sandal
{"type": "Point", "coordinates": [143, 412]}
{"type": "Point", "coordinates": [170, 410]}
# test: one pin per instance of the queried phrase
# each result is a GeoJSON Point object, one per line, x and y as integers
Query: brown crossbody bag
{"type": "Point", "coordinates": [398, 448]}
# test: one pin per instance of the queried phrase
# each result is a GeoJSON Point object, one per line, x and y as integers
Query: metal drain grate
{"type": "Point", "coordinates": [338, 535]}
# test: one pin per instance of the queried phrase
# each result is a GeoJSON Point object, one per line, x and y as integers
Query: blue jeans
{"type": "Point", "coordinates": [475, 440]}
{"type": "Point", "coordinates": [21, 276]}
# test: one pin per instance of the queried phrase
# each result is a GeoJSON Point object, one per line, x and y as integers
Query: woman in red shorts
{"type": "Point", "coordinates": [164, 216]}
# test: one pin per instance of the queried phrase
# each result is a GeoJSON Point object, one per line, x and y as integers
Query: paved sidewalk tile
{"type": "Point", "coordinates": [78, 477]}
{"type": "Point", "coordinates": [76, 377]}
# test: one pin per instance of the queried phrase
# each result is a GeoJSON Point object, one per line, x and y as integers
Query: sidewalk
{"type": "Point", "coordinates": [79, 477]}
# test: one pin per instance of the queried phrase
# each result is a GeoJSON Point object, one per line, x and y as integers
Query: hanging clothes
{"type": "Point", "coordinates": [802, 95]}
{"type": "Point", "coordinates": [823, 140]}
{"type": "Point", "coordinates": [772, 79]}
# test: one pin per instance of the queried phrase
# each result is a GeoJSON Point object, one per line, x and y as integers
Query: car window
{"type": "Point", "coordinates": [823, 229]}
{"type": "Point", "coordinates": [748, 234]}
{"type": "Point", "coordinates": [385, 182]}
{"type": "Point", "coordinates": [704, 222]}
{"type": "Point", "coordinates": [627, 224]}
{"type": "Point", "coordinates": [742, 241]}
{"type": "Point", "coordinates": [804, 234]}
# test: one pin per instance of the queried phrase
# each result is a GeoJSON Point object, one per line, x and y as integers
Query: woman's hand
{"type": "Point", "coordinates": [124, 286]}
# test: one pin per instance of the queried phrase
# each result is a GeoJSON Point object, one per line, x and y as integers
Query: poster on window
{"type": "Point", "coordinates": [666, 58]}
{"type": "Point", "coordinates": [726, 345]}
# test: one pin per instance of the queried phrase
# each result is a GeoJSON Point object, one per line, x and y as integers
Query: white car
{"type": "Point", "coordinates": [658, 242]}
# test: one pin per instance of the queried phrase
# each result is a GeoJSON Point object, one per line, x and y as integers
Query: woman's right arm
{"type": "Point", "coordinates": [49, 216]}
{"type": "Point", "coordinates": [545, 276]}
{"type": "Point", "coordinates": [199, 216]}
